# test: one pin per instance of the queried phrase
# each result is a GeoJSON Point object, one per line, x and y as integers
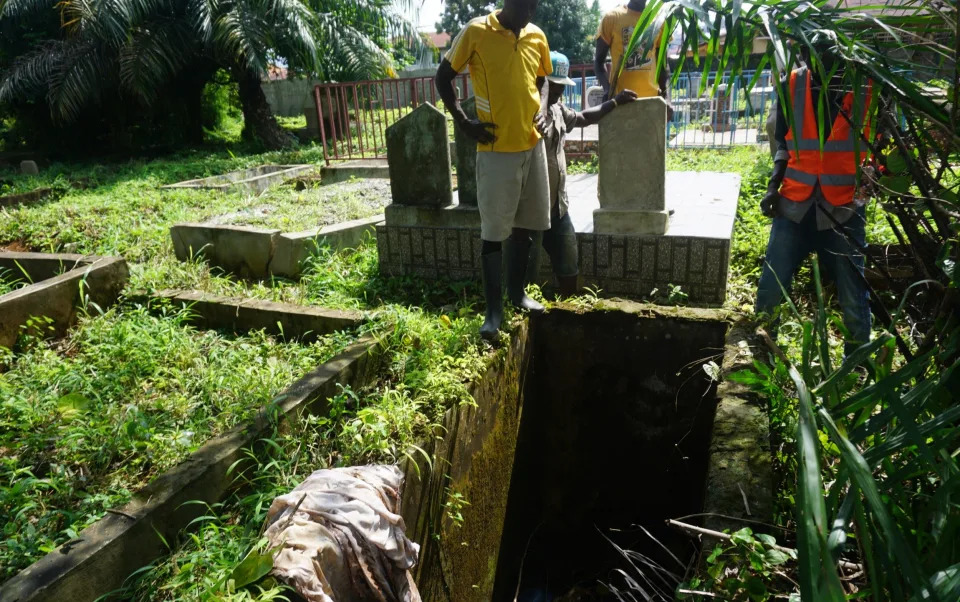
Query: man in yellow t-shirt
{"type": "Point", "coordinates": [639, 72]}
{"type": "Point", "coordinates": [509, 59]}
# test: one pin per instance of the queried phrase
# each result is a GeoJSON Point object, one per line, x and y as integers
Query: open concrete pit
{"type": "Point", "coordinates": [594, 425]}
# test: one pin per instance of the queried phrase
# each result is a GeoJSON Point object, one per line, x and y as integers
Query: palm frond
{"type": "Point", "coordinates": [20, 9]}
{"type": "Point", "coordinates": [79, 80]}
{"type": "Point", "coordinates": [30, 73]}
{"type": "Point", "coordinates": [154, 55]}
{"type": "Point", "coordinates": [240, 35]}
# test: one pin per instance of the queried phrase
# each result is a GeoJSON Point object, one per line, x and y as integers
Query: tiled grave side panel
{"type": "Point", "coordinates": [625, 266]}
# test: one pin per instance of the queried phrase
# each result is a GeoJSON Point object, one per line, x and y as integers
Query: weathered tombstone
{"type": "Point", "coordinates": [466, 158]}
{"type": "Point", "coordinates": [633, 170]}
{"type": "Point", "coordinates": [29, 168]}
{"type": "Point", "coordinates": [418, 154]}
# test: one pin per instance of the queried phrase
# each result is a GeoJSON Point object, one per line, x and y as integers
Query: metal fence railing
{"type": "Point", "coordinates": [732, 116]}
{"type": "Point", "coordinates": [352, 117]}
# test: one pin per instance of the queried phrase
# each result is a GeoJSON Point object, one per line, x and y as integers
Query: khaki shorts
{"type": "Point", "coordinates": [512, 192]}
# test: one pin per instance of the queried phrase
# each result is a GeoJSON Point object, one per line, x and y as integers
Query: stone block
{"type": "Point", "coordinates": [451, 216]}
{"type": "Point", "coordinates": [57, 296]}
{"type": "Point", "coordinates": [240, 250]}
{"type": "Point", "coordinates": [359, 168]}
{"type": "Point", "coordinates": [29, 168]}
{"type": "Point", "coordinates": [418, 155]}
{"type": "Point", "coordinates": [630, 221]}
{"type": "Point", "coordinates": [633, 156]}
{"type": "Point", "coordinates": [466, 158]}
{"type": "Point", "coordinates": [242, 315]}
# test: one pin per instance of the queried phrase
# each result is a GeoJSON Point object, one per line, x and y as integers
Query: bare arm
{"type": "Point", "coordinates": [595, 114]}
{"type": "Point", "coordinates": [599, 62]}
{"type": "Point", "coordinates": [480, 131]}
{"type": "Point", "coordinates": [445, 78]}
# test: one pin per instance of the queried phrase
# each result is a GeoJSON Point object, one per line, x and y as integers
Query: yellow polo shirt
{"type": "Point", "coordinates": [640, 72]}
{"type": "Point", "coordinates": [503, 70]}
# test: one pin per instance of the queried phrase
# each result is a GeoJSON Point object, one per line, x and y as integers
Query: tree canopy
{"type": "Point", "coordinates": [570, 25]}
{"type": "Point", "coordinates": [75, 56]}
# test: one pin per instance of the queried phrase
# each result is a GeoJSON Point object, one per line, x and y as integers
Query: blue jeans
{"type": "Point", "coordinates": [791, 243]}
{"type": "Point", "coordinates": [560, 243]}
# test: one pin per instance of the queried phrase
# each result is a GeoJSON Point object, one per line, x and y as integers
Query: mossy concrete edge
{"type": "Point", "coordinates": [739, 487]}
{"type": "Point", "coordinates": [472, 456]}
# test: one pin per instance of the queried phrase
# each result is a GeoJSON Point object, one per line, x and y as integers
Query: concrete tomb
{"type": "Point", "coordinates": [641, 231]}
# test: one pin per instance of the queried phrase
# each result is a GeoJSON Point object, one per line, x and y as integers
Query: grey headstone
{"type": "Point", "coordinates": [418, 154]}
{"type": "Point", "coordinates": [632, 150]}
{"type": "Point", "coordinates": [466, 158]}
{"type": "Point", "coordinates": [29, 168]}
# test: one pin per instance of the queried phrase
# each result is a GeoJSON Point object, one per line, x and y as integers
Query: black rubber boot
{"type": "Point", "coordinates": [568, 286]}
{"type": "Point", "coordinates": [518, 255]}
{"type": "Point", "coordinates": [492, 267]}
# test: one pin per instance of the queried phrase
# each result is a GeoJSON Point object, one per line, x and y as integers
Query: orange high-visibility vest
{"type": "Point", "coordinates": [835, 168]}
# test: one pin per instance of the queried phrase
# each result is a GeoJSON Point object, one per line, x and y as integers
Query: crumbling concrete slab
{"type": "Point", "coordinates": [292, 249]}
{"type": "Point", "coordinates": [240, 315]}
{"type": "Point", "coordinates": [108, 551]}
{"type": "Point", "coordinates": [55, 295]}
{"type": "Point", "coordinates": [472, 455]}
{"type": "Point", "coordinates": [240, 250]}
{"type": "Point", "coordinates": [25, 198]}
{"type": "Point", "coordinates": [258, 253]}
{"type": "Point", "coordinates": [252, 181]}
{"type": "Point", "coordinates": [358, 168]}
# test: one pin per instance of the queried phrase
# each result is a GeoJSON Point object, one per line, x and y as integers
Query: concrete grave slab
{"type": "Point", "coordinates": [241, 315]}
{"type": "Point", "coordinates": [358, 168]}
{"type": "Point", "coordinates": [108, 551]}
{"type": "Point", "coordinates": [56, 289]}
{"type": "Point", "coordinates": [694, 254]}
{"type": "Point", "coordinates": [418, 154]}
{"type": "Point", "coordinates": [257, 253]}
{"type": "Point", "coordinates": [252, 181]}
{"type": "Point", "coordinates": [25, 198]}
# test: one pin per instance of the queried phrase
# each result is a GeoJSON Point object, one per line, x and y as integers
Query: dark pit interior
{"type": "Point", "coordinates": [616, 423]}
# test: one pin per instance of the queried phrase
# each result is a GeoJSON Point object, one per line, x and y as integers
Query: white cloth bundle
{"type": "Point", "coordinates": [340, 537]}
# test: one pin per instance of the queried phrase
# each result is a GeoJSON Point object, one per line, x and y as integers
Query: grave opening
{"type": "Point", "coordinates": [616, 423]}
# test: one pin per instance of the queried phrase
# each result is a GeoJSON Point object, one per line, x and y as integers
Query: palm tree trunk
{"type": "Point", "coordinates": [258, 119]}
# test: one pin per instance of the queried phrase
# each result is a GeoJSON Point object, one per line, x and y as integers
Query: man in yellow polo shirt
{"type": "Point", "coordinates": [509, 59]}
{"type": "Point", "coordinates": [639, 72]}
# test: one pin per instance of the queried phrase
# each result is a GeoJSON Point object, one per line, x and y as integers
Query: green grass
{"type": "Point", "coordinates": [288, 209]}
{"type": "Point", "coordinates": [11, 281]}
{"type": "Point", "coordinates": [428, 333]}
{"type": "Point", "coordinates": [89, 419]}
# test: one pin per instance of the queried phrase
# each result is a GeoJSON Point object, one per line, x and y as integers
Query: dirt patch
{"type": "Point", "coordinates": [17, 246]}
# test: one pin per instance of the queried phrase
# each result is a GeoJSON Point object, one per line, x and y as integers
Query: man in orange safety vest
{"type": "Point", "coordinates": [813, 192]}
